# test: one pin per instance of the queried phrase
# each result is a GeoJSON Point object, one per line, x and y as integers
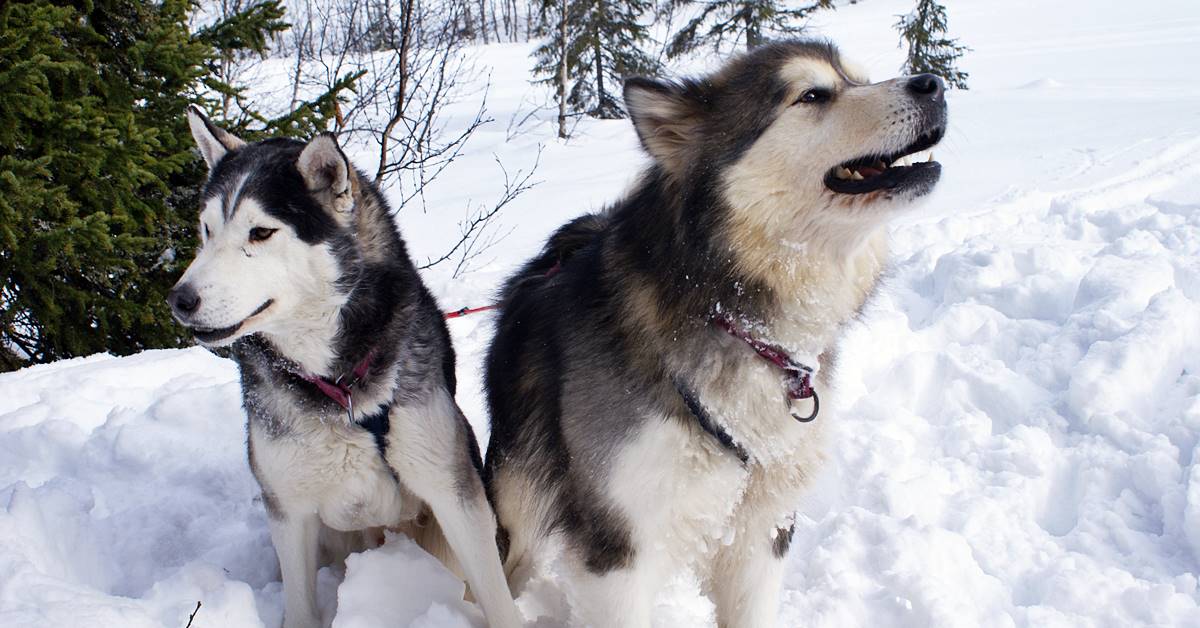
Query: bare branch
{"type": "Point", "coordinates": [478, 232]}
{"type": "Point", "coordinates": [193, 615]}
{"type": "Point", "coordinates": [415, 66]}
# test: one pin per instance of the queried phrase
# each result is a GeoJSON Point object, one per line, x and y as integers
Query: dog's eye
{"type": "Point", "coordinates": [207, 232]}
{"type": "Point", "coordinates": [815, 95]}
{"type": "Point", "coordinates": [259, 234]}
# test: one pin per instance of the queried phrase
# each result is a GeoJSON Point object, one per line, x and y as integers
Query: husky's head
{"type": "Point", "coordinates": [794, 140]}
{"type": "Point", "coordinates": [274, 230]}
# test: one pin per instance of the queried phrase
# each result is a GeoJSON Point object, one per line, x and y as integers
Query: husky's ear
{"type": "Point", "coordinates": [326, 172]}
{"type": "Point", "coordinates": [213, 141]}
{"type": "Point", "coordinates": [667, 117]}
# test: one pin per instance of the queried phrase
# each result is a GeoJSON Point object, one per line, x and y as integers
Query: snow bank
{"type": "Point", "coordinates": [400, 585]}
{"type": "Point", "coordinates": [1020, 441]}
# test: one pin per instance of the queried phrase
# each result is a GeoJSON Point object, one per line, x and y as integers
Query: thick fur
{"type": "Point", "coordinates": [610, 387]}
{"type": "Point", "coordinates": [330, 285]}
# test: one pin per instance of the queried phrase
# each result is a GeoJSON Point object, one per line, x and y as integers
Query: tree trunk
{"type": "Point", "coordinates": [506, 18]}
{"type": "Point", "coordinates": [468, 23]}
{"type": "Point", "coordinates": [483, 25]}
{"type": "Point", "coordinates": [515, 33]}
{"type": "Point", "coordinates": [406, 31]}
{"type": "Point", "coordinates": [496, 25]}
{"type": "Point", "coordinates": [562, 69]}
{"type": "Point", "coordinates": [226, 70]}
{"type": "Point", "coordinates": [296, 77]}
{"type": "Point", "coordinates": [601, 97]}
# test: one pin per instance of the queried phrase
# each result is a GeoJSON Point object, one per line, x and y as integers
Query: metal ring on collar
{"type": "Point", "coordinates": [816, 409]}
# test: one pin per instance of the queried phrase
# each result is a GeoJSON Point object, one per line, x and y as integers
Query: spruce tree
{"type": "Point", "coordinates": [241, 30]}
{"type": "Point", "coordinates": [929, 50]}
{"type": "Point", "coordinates": [750, 22]}
{"type": "Point", "coordinates": [602, 41]}
{"type": "Point", "coordinates": [98, 176]}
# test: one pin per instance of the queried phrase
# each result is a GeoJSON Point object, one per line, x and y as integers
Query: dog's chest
{"type": "Point", "coordinates": [688, 495]}
{"type": "Point", "coordinates": [335, 469]}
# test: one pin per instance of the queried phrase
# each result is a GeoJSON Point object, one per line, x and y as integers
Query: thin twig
{"type": "Point", "coordinates": [193, 615]}
{"type": "Point", "coordinates": [477, 232]}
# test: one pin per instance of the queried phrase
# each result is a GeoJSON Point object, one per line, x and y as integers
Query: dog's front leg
{"type": "Point", "coordinates": [621, 598]}
{"type": "Point", "coordinates": [748, 574]}
{"type": "Point", "coordinates": [429, 447]}
{"type": "Point", "coordinates": [295, 536]}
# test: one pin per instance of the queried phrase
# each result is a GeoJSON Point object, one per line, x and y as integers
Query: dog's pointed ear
{"type": "Point", "coordinates": [667, 117]}
{"type": "Point", "coordinates": [214, 142]}
{"type": "Point", "coordinates": [326, 171]}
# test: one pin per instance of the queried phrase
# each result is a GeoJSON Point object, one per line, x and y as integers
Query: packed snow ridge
{"type": "Point", "coordinates": [1018, 441]}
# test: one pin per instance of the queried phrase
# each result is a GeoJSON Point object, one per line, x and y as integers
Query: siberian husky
{"type": "Point", "coordinates": [655, 376]}
{"type": "Point", "coordinates": [346, 364]}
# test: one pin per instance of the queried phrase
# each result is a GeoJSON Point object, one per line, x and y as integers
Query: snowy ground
{"type": "Point", "coordinates": [1020, 441]}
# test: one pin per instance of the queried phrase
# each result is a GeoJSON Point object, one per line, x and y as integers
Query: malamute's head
{"type": "Point", "coordinates": [275, 225]}
{"type": "Point", "coordinates": [794, 140]}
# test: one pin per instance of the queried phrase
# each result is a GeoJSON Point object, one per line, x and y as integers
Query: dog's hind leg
{"type": "Point", "coordinates": [336, 545]}
{"type": "Point", "coordinates": [428, 534]}
{"type": "Point", "coordinates": [518, 570]}
{"type": "Point", "coordinates": [430, 447]}
{"type": "Point", "coordinates": [521, 512]}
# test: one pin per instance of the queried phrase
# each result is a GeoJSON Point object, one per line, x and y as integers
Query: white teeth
{"type": "Point", "coordinates": [909, 160]}
{"type": "Point", "coordinates": [856, 176]}
{"type": "Point", "coordinates": [842, 173]}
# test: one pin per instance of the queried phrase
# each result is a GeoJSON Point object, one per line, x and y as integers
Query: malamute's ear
{"type": "Point", "coordinates": [667, 118]}
{"type": "Point", "coordinates": [326, 171]}
{"type": "Point", "coordinates": [213, 141]}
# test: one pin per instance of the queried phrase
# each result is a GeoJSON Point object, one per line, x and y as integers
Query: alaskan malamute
{"type": "Point", "coordinates": [346, 363]}
{"type": "Point", "coordinates": [655, 376]}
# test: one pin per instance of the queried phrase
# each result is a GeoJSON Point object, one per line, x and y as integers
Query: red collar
{"type": "Point", "coordinates": [798, 375]}
{"type": "Point", "coordinates": [339, 390]}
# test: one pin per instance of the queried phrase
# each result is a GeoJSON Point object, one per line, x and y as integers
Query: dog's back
{"type": "Point", "coordinates": [559, 248]}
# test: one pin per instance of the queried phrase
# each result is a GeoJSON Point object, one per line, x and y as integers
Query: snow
{"type": "Point", "coordinates": [432, 596]}
{"type": "Point", "coordinates": [1019, 441]}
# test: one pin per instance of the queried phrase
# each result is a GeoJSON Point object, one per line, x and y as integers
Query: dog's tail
{"type": "Point", "coordinates": [559, 248]}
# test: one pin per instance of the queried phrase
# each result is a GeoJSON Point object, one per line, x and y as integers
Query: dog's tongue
{"type": "Point", "coordinates": [868, 171]}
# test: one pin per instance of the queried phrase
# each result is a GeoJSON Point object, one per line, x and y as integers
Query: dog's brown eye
{"type": "Point", "coordinates": [258, 234]}
{"type": "Point", "coordinates": [815, 95]}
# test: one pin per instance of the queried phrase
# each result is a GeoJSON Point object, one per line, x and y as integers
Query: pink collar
{"type": "Point", "coordinates": [798, 376]}
{"type": "Point", "coordinates": [341, 391]}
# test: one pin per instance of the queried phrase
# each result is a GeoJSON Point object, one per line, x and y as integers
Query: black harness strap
{"type": "Point", "coordinates": [710, 426]}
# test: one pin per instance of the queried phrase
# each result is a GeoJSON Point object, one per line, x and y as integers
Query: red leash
{"type": "Point", "coordinates": [472, 310]}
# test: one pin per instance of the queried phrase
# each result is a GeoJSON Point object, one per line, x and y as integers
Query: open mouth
{"type": "Point", "coordinates": [905, 169]}
{"type": "Point", "coordinates": [210, 335]}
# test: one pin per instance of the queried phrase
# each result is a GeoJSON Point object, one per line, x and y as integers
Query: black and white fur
{"type": "Point", "coordinates": [629, 427]}
{"type": "Point", "coordinates": [301, 271]}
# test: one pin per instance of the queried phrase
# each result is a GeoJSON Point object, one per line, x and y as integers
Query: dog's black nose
{"type": "Point", "coordinates": [183, 299]}
{"type": "Point", "coordinates": [927, 86]}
